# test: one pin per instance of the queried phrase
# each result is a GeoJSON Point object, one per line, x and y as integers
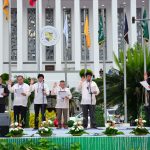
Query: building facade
{"type": "Point", "coordinates": [24, 55]}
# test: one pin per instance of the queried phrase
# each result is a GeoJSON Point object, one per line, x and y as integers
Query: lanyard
{"type": "Point", "coordinates": [40, 87]}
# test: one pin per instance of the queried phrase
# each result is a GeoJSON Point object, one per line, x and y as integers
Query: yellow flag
{"type": "Point", "coordinates": [6, 8]}
{"type": "Point", "coordinates": [86, 33]}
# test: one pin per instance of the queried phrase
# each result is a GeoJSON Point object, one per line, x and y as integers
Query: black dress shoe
{"type": "Point", "coordinates": [36, 128]}
{"type": "Point", "coordinates": [94, 127]}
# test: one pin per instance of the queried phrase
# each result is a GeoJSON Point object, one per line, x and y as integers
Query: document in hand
{"type": "Point", "coordinates": [1, 92]}
{"type": "Point", "coordinates": [19, 91]}
{"type": "Point", "coordinates": [145, 85]}
{"type": "Point", "coordinates": [62, 94]}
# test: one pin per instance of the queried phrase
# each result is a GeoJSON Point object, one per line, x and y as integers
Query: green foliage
{"type": "Point", "coordinates": [114, 88]}
{"type": "Point", "coordinates": [45, 131]}
{"type": "Point", "coordinates": [140, 131]}
{"type": "Point", "coordinates": [72, 102]}
{"type": "Point", "coordinates": [115, 82]}
{"type": "Point", "coordinates": [135, 71]}
{"type": "Point", "coordinates": [112, 131]}
{"type": "Point", "coordinates": [75, 146]}
{"type": "Point", "coordinates": [82, 72]}
{"type": "Point", "coordinates": [99, 116]}
{"type": "Point", "coordinates": [5, 77]}
{"type": "Point", "coordinates": [42, 144]}
{"type": "Point", "coordinates": [70, 123]}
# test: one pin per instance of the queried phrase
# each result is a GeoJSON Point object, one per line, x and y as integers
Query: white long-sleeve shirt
{"type": "Point", "coordinates": [20, 100]}
{"type": "Point", "coordinates": [61, 103]}
{"type": "Point", "coordinates": [38, 92]}
{"type": "Point", "coordinates": [85, 88]}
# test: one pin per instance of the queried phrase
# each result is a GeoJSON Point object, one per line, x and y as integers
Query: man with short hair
{"type": "Point", "coordinates": [62, 106]}
{"type": "Point", "coordinates": [4, 92]}
{"type": "Point", "coordinates": [41, 90]}
{"type": "Point", "coordinates": [21, 92]}
{"type": "Point", "coordinates": [89, 90]}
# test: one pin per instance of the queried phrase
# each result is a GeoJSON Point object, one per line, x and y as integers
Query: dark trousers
{"type": "Point", "coordinates": [91, 110]}
{"type": "Point", "coordinates": [61, 111]}
{"type": "Point", "coordinates": [37, 108]}
{"type": "Point", "coordinates": [20, 110]}
{"type": "Point", "coordinates": [2, 108]}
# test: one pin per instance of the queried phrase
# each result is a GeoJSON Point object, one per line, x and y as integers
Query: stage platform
{"type": "Point", "coordinates": [95, 140]}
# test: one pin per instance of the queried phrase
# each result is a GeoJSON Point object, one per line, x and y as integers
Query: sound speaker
{"type": "Point", "coordinates": [4, 124]}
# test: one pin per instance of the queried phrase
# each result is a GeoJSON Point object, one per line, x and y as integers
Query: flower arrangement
{"type": "Point", "coordinates": [77, 129]}
{"type": "Point", "coordinates": [16, 130]}
{"type": "Point", "coordinates": [45, 129]}
{"type": "Point", "coordinates": [111, 130]}
{"type": "Point", "coordinates": [140, 129]}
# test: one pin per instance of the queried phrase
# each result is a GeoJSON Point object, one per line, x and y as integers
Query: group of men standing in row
{"type": "Point", "coordinates": [41, 90]}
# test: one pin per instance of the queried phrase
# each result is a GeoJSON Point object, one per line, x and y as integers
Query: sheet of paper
{"type": "Point", "coordinates": [1, 91]}
{"type": "Point", "coordinates": [19, 91]}
{"type": "Point", "coordinates": [62, 94]}
{"type": "Point", "coordinates": [145, 85]}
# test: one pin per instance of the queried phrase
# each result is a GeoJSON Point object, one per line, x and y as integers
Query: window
{"type": "Point", "coordinates": [69, 50]}
{"type": "Point", "coordinates": [14, 34]}
{"type": "Point", "coordinates": [120, 29]}
{"type": "Point", "coordinates": [31, 34]}
{"type": "Point", "coordinates": [139, 29]}
{"type": "Point", "coordinates": [105, 34]}
{"type": "Point", "coordinates": [86, 11]}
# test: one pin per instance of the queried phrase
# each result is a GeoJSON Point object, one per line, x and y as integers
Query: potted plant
{"type": "Point", "coordinates": [140, 129]}
{"type": "Point", "coordinates": [16, 130]}
{"type": "Point", "coordinates": [77, 129]}
{"type": "Point", "coordinates": [111, 130]}
{"type": "Point", "coordinates": [45, 129]}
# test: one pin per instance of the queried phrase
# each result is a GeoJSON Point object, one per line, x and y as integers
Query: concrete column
{"type": "Point", "coordinates": [20, 30]}
{"type": "Point", "coordinates": [40, 27]}
{"type": "Point", "coordinates": [132, 27]}
{"type": "Point", "coordinates": [1, 37]}
{"type": "Point", "coordinates": [95, 38]}
{"type": "Point", "coordinates": [77, 34]}
{"type": "Point", "coordinates": [58, 25]}
{"type": "Point", "coordinates": [114, 28]}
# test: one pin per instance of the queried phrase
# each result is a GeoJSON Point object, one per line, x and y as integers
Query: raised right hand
{"type": "Point", "coordinates": [9, 82]}
{"type": "Point", "coordinates": [32, 82]}
{"type": "Point", "coordinates": [55, 84]}
{"type": "Point", "coordinates": [83, 79]}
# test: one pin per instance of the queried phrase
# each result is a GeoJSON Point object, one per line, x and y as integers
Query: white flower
{"type": "Point", "coordinates": [46, 129]}
{"type": "Point", "coordinates": [44, 122]}
{"type": "Point", "coordinates": [77, 129]}
{"type": "Point", "coordinates": [11, 129]}
{"type": "Point", "coordinates": [16, 129]}
{"type": "Point", "coordinates": [72, 128]}
{"type": "Point", "coordinates": [111, 127]}
{"type": "Point", "coordinates": [144, 121]}
{"type": "Point", "coordinates": [75, 124]}
{"type": "Point", "coordinates": [136, 120]}
{"type": "Point", "coordinates": [50, 121]}
{"type": "Point", "coordinates": [16, 123]}
{"type": "Point", "coordinates": [79, 122]}
{"type": "Point", "coordinates": [113, 121]}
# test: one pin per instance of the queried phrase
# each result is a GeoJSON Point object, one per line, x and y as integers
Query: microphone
{"type": "Point", "coordinates": [133, 20]}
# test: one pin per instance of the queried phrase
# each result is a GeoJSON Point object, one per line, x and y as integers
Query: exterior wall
{"type": "Point", "coordinates": [112, 36]}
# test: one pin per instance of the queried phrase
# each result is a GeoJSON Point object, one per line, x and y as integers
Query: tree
{"type": "Point", "coordinates": [135, 73]}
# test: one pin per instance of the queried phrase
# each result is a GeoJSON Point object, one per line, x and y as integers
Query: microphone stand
{"type": "Point", "coordinates": [43, 102]}
{"type": "Point", "coordinates": [90, 92]}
